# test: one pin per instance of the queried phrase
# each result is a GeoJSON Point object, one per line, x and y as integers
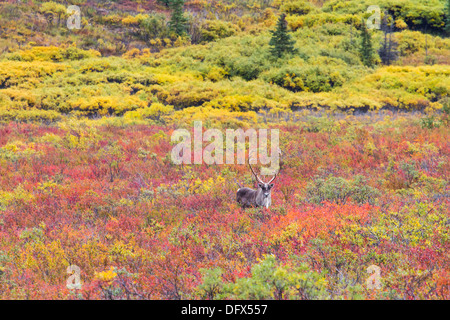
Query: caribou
{"type": "Point", "coordinates": [260, 197]}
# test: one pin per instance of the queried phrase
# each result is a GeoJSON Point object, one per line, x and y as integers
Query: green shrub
{"type": "Point", "coordinates": [308, 78]}
{"type": "Point", "coordinates": [339, 190]}
{"type": "Point", "coordinates": [212, 30]}
{"type": "Point", "coordinates": [270, 280]}
{"type": "Point", "coordinates": [299, 7]}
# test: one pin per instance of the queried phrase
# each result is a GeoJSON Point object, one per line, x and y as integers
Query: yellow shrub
{"type": "Point", "coordinates": [31, 115]}
{"type": "Point", "coordinates": [106, 105]}
{"type": "Point", "coordinates": [156, 111]}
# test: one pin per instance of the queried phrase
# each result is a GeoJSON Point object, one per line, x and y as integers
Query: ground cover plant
{"type": "Point", "coordinates": [105, 196]}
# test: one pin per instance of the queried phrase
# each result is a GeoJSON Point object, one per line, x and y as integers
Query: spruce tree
{"type": "Point", "coordinates": [281, 41]}
{"type": "Point", "coordinates": [178, 21]}
{"type": "Point", "coordinates": [447, 18]}
{"type": "Point", "coordinates": [388, 51]}
{"type": "Point", "coordinates": [164, 2]}
{"type": "Point", "coordinates": [366, 49]}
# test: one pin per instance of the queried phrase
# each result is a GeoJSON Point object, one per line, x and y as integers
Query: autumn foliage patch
{"type": "Point", "coordinates": [107, 198]}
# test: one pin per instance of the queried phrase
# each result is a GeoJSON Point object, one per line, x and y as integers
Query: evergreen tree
{"type": "Point", "coordinates": [447, 18]}
{"type": "Point", "coordinates": [366, 49]}
{"type": "Point", "coordinates": [281, 41]}
{"type": "Point", "coordinates": [164, 2]}
{"type": "Point", "coordinates": [178, 22]}
{"type": "Point", "coordinates": [388, 51]}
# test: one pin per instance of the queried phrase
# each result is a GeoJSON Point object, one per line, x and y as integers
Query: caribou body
{"type": "Point", "coordinates": [260, 197]}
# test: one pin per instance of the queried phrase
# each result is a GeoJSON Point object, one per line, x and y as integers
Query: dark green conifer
{"type": "Point", "coordinates": [281, 41]}
{"type": "Point", "coordinates": [366, 50]}
{"type": "Point", "coordinates": [178, 22]}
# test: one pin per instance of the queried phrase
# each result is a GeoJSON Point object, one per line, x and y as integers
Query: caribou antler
{"type": "Point", "coordinates": [257, 178]}
{"type": "Point", "coordinates": [260, 197]}
{"type": "Point", "coordinates": [279, 166]}
{"type": "Point", "coordinates": [273, 178]}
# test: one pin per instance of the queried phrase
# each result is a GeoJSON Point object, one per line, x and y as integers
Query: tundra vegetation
{"type": "Point", "coordinates": [86, 177]}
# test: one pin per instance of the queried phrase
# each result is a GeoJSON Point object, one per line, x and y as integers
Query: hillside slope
{"type": "Point", "coordinates": [126, 58]}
